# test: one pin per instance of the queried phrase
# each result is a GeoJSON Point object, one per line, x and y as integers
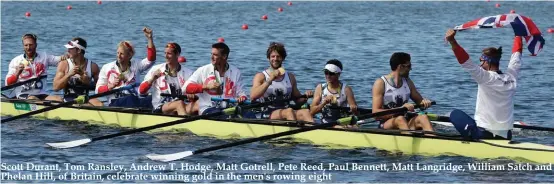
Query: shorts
{"type": "Point", "coordinates": [408, 117]}
{"type": "Point", "coordinates": [26, 96]}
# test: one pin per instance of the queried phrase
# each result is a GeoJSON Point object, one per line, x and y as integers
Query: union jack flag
{"type": "Point", "coordinates": [523, 26]}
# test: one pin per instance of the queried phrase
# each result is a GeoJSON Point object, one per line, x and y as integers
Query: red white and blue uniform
{"type": "Point", "coordinates": [164, 84]}
{"type": "Point", "coordinates": [38, 67]}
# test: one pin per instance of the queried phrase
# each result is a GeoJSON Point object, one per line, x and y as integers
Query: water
{"type": "Point", "coordinates": [362, 35]}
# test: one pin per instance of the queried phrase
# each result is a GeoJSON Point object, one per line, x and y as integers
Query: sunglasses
{"type": "Point", "coordinates": [327, 72]}
{"type": "Point", "coordinates": [407, 65]}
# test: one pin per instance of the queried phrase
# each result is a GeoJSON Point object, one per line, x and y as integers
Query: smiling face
{"type": "Point", "coordinates": [29, 46]}
{"type": "Point", "coordinates": [275, 60]}
{"type": "Point", "coordinates": [331, 77]}
{"type": "Point", "coordinates": [170, 55]}
{"type": "Point", "coordinates": [123, 55]}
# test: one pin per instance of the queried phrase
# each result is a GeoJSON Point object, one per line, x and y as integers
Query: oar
{"type": "Point", "coordinates": [184, 97]}
{"type": "Point", "coordinates": [80, 100]}
{"type": "Point", "coordinates": [436, 117]}
{"type": "Point", "coordinates": [228, 111]}
{"type": "Point", "coordinates": [342, 121]}
{"type": "Point", "coordinates": [23, 82]}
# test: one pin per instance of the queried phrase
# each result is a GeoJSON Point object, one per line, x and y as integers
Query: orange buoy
{"type": "Point", "coordinates": [290, 3]}
{"type": "Point", "coordinates": [27, 14]}
{"type": "Point", "coordinates": [69, 7]}
{"type": "Point", "coordinates": [497, 5]}
{"type": "Point", "coordinates": [264, 17]}
{"type": "Point", "coordinates": [220, 40]}
{"type": "Point", "coordinates": [550, 30]}
{"type": "Point", "coordinates": [279, 9]}
{"type": "Point", "coordinates": [182, 59]}
{"type": "Point", "coordinates": [98, 2]}
{"type": "Point", "coordinates": [245, 26]}
{"type": "Point", "coordinates": [512, 11]}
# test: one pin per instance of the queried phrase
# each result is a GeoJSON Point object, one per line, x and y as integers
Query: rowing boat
{"type": "Point", "coordinates": [330, 137]}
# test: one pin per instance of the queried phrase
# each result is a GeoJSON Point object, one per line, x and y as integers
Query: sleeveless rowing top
{"type": "Point", "coordinates": [281, 89]}
{"type": "Point", "coordinates": [395, 97]}
{"type": "Point", "coordinates": [75, 87]}
{"type": "Point", "coordinates": [331, 112]}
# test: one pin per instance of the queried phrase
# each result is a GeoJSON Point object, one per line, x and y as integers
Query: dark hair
{"type": "Point", "coordinates": [222, 47]}
{"type": "Point", "coordinates": [399, 58]}
{"type": "Point", "coordinates": [176, 47]}
{"type": "Point", "coordinates": [335, 62]}
{"type": "Point", "coordinates": [278, 47]}
{"type": "Point", "coordinates": [81, 42]}
{"type": "Point", "coordinates": [29, 35]}
{"type": "Point", "coordinates": [492, 52]}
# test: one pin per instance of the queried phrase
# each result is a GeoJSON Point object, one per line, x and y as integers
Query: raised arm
{"type": "Point", "coordinates": [147, 62]}
{"type": "Point", "coordinates": [477, 73]}
{"type": "Point", "coordinates": [515, 60]}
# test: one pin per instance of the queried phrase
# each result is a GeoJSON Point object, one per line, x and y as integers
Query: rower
{"type": "Point", "coordinates": [394, 90]}
{"type": "Point", "coordinates": [218, 79]}
{"type": "Point", "coordinates": [494, 109]}
{"type": "Point", "coordinates": [169, 78]}
{"type": "Point", "coordinates": [124, 71]}
{"type": "Point", "coordinates": [276, 84]}
{"type": "Point", "coordinates": [333, 94]}
{"type": "Point", "coordinates": [30, 65]}
{"type": "Point", "coordinates": [76, 75]}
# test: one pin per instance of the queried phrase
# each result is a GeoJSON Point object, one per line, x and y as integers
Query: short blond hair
{"type": "Point", "coordinates": [128, 46]}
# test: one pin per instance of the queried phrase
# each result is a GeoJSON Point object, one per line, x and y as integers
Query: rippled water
{"type": "Point", "coordinates": [362, 35]}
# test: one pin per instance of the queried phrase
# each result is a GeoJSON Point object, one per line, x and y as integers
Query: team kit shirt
{"type": "Point", "coordinates": [231, 84]}
{"type": "Point", "coordinates": [165, 84]}
{"type": "Point", "coordinates": [494, 109]}
{"type": "Point", "coordinates": [38, 67]}
{"type": "Point", "coordinates": [110, 72]}
{"type": "Point", "coordinates": [75, 86]}
{"type": "Point", "coordinates": [278, 90]}
{"type": "Point", "coordinates": [330, 112]}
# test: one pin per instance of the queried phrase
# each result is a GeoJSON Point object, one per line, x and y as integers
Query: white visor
{"type": "Point", "coordinates": [74, 44]}
{"type": "Point", "coordinates": [333, 68]}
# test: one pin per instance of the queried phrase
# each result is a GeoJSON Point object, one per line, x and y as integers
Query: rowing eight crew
{"type": "Point", "coordinates": [220, 79]}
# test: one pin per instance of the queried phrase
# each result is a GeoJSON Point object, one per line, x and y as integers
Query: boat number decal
{"type": "Point", "coordinates": [22, 106]}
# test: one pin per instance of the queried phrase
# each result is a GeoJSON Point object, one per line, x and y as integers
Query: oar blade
{"type": "Point", "coordinates": [169, 157]}
{"type": "Point", "coordinates": [69, 144]}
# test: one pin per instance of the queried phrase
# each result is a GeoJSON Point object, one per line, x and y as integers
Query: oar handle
{"type": "Point", "coordinates": [353, 119]}
{"type": "Point", "coordinates": [184, 97]}
{"type": "Point", "coordinates": [14, 85]}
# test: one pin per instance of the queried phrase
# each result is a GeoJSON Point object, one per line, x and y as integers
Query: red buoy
{"type": "Point", "coordinates": [69, 7]}
{"type": "Point", "coordinates": [220, 40]}
{"type": "Point", "coordinates": [290, 3]}
{"type": "Point", "coordinates": [245, 26]}
{"type": "Point", "coordinates": [99, 2]}
{"type": "Point", "coordinates": [279, 9]}
{"type": "Point", "coordinates": [497, 5]}
{"type": "Point", "coordinates": [27, 14]}
{"type": "Point", "coordinates": [550, 30]}
{"type": "Point", "coordinates": [182, 59]}
{"type": "Point", "coordinates": [512, 11]}
{"type": "Point", "coordinates": [264, 17]}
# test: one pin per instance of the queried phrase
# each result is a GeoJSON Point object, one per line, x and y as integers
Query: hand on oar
{"type": "Point", "coordinates": [185, 97]}
{"type": "Point", "coordinates": [342, 121]}
{"type": "Point", "coordinates": [436, 117]}
{"type": "Point", "coordinates": [228, 111]}
{"type": "Point", "coordinates": [80, 100]}
{"type": "Point", "coordinates": [14, 85]}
